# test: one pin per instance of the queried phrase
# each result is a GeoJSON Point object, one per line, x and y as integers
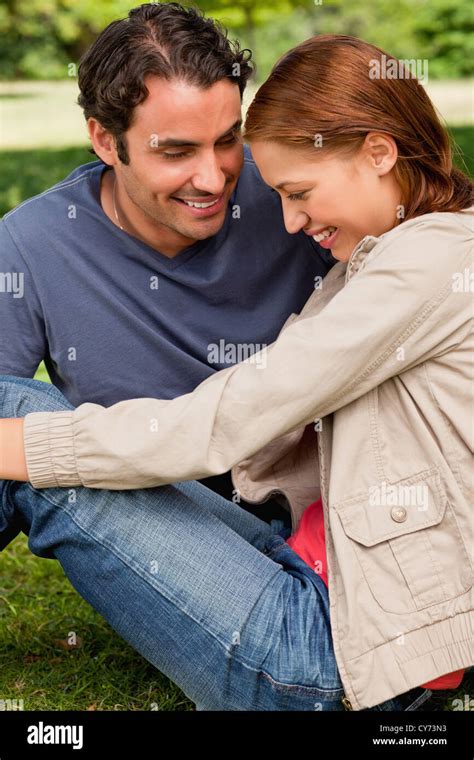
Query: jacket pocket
{"type": "Point", "coordinates": [407, 540]}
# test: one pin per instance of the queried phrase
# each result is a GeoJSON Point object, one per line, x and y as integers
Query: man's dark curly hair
{"type": "Point", "coordinates": [165, 39]}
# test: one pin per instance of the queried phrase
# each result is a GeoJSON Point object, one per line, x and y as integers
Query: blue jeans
{"type": "Point", "coordinates": [207, 592]}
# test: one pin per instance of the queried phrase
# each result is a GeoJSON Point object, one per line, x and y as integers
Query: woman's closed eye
{"type": "Point", "coordinates": [296, 196]}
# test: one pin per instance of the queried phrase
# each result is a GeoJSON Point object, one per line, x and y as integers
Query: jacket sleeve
{"type": "Point", "coordinates": [397, 311]}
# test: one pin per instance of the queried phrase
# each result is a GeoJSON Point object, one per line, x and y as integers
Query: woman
{"type": "Point", "coordinates": [377, 370]}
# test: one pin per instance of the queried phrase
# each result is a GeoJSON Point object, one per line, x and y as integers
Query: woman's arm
{"type": "Point", "coordinates": [12, 452]}
{"type": "Point", "coordinates": [396, 312]}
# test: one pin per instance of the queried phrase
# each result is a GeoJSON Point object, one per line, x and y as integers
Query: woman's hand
{"type": "Point", "coordinates": [12, 453]}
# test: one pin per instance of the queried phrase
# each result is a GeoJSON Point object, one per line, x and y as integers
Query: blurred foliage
{"type": "Point", "coordinates": [445, 30]}
{"type": "Point", "coordinates": [438, 30]}
{"type": "Point", "coordinates": [41, 38]}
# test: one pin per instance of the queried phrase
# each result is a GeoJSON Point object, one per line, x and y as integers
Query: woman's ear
{"type": "Point", "coordinates": [381, 151]}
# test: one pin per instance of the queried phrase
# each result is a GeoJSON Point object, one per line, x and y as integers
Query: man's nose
{"type": "Point", "coordinates": [209, 176]}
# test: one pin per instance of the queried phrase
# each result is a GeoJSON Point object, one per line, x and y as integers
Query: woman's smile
{"type": "Point", "coordinates": [330, 237]}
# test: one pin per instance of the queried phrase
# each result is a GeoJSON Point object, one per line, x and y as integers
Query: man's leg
{"type": "Point", "coordinates": [176, 570]}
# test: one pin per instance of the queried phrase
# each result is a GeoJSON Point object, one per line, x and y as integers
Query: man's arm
{"type": "Point", "coordinates": [22, 333]}
{"type": "Point", "coordinates": [22, 344]}
{"type": "Point", "coordinates": [12, 454]}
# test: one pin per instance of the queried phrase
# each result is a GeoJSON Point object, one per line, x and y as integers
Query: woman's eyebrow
{"type": "Point", "coordinates": [288, 182]}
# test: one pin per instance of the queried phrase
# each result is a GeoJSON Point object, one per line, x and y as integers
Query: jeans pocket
{"type": "Point", "coordinates": [291, 696]}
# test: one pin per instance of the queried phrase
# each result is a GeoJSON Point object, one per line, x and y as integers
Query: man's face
{"type": "Point", "coordinates": [184, 144]}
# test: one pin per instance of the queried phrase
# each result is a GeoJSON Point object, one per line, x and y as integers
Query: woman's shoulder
{"type": "Point", "coordinates": [435, 222]}
{"type": "Point", "coordinates": [424, 252]}
{"type": "Point", "coordinates": [440, 234]}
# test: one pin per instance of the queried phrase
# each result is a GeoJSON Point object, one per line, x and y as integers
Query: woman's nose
{"type": "Point", "coordinates": [294, 220]}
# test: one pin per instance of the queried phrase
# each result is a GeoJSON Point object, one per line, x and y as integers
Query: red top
{"type": "Point", "coordinates": [309, 543]}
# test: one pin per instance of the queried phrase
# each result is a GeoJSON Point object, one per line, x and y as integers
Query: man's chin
{"type": "Point", "coordinates": [204, 228]}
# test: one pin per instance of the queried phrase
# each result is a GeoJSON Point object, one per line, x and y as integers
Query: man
{"type": "Point", "coordinates": [166, 260]}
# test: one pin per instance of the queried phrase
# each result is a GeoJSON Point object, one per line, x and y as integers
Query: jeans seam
{"type": "Point", "coordinates": [303, 689]}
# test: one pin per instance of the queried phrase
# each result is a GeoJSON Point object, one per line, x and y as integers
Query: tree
{"type": "Point", "coordinates": [41, 37]}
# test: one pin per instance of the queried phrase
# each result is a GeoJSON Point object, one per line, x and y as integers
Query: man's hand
{"type": "Point", "coordinates": [12, 452]}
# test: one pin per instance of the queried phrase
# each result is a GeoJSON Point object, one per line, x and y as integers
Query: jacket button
{"type": "Point", "coordinates": [399, 514]}
{"type": "Point", "coordinates": [346, 703]}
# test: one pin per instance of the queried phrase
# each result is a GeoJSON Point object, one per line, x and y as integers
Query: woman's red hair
{"type": "Point", "coordinates": [323, 89]}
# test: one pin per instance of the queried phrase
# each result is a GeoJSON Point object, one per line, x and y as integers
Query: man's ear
{"type": "Point", "coordinates": [382, 152]}
{"type": "Point", "coordinates": [102, 142]}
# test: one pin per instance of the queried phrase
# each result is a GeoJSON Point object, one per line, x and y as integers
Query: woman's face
{"type": "Point", "coordinates": [335, 198]}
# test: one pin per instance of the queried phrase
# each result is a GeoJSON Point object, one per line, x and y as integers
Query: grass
{"type": "Point", "coordinates": [28, 172]}
{"type": "Point", "coordinates": [39, 610]}
{"type": "Point", "coordinates": [41, 114]}
{"type": "Point", "coordinates": [463, 141]}
{"type": "Point", "coordinates": [38, 606]}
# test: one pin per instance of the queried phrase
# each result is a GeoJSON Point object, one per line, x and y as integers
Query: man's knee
{"type": "Point", "coordinates": [20, 395]}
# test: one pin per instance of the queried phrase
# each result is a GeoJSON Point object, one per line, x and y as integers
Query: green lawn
{"type": "Point", "coordinates": [25, 173]}
{"type": "Point", "coordinates": [39, 610]}
{"type": "Point", "coordinates": [38, 607]}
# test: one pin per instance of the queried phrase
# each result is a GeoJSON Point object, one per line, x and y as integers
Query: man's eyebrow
{"type": "Point", "coordinates": [171, 142]}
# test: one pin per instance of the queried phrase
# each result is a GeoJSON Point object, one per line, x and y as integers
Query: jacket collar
{"type": "Point", "coordinates": [359, 253]}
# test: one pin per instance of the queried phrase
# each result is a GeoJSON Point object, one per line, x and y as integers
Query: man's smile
{"type": "Point", "coordinates": [202, 208]}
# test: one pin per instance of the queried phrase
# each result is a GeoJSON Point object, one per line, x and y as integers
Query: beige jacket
{"type": "Point", "coordinates": [381, 358]}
